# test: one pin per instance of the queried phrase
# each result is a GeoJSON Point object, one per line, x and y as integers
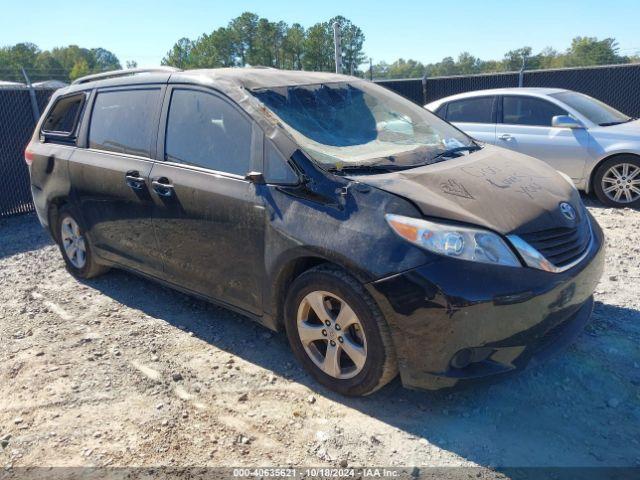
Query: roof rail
{"type": "Point", "coordinates": [123, 73]}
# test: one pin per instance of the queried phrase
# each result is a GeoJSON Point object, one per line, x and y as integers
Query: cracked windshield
{"type": "Point", "coordinates": [358, 124]}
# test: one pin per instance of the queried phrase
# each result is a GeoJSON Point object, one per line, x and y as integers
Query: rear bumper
{"type": "Point", "coordinates": [454, 321]}
{"type": "Point", "coordinates": [40, 202]}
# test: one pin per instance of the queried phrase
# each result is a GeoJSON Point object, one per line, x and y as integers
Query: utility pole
{"type": "Point", "coordinates": [521, 74]}
{"type": "Point", "coordinates": [370, 69]}
{"type": "Point", "coordinates": [338, 49]}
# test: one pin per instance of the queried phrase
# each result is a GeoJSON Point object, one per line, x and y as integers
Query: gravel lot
{"type": "Point", "coordinates": [120, 371]}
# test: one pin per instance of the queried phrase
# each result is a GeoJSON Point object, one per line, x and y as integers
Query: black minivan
{"type": "Point", "coordinates": [378, 236]}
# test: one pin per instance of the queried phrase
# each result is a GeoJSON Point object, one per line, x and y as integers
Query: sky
{"type": "Point", "coordinates": [424, 30]}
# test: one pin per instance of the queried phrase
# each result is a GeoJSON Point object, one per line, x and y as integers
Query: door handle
{"type": "Point", "coordinates": [134, 180]}
{"type": "Point", "coordinates": [162, 186]}
{"type": "Point", "coordinates": [506, 137]}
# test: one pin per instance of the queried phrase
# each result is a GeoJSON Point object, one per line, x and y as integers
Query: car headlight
{"type": "Point", "coordinates": [465, 243]}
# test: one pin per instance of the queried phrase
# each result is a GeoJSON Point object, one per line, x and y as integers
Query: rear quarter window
{"type": "Point", "coordinates": [441, 111]}
{"type": "Point", "coordinates": [122, 121]}
{"type": "Point", "coordinates": [63, 118]}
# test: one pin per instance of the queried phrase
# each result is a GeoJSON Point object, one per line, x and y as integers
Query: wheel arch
{"type": "Point", "coordinates": [596, 167]}
{"type": "Point", "coordinates": [291, 270]}
{"type": "Point", "coordinates": [53, 212]}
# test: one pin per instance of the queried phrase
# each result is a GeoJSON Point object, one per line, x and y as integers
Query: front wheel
{"type": "Point", "coordinates": [617, 181]}
{"type": "Point", "coordinates": [338, 333]}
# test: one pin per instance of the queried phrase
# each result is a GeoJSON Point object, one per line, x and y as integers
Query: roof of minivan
{"type": "Point", "coordinates": [235, 83]}
{"type": "Point", "coordinates": [255, 78]}
{"type": "Point", "coordinates": [534, 91]}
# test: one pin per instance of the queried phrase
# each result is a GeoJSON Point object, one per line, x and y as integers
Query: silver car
{"type": "Point", "coordinates": [591, 142]}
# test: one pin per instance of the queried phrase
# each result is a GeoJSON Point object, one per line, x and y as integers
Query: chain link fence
{"type": "Point", "coordinates": [616, 85]}
{"type": "Point", "coordinates": [17, 121]}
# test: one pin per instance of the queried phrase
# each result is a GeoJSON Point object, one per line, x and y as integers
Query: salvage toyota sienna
{"type": "Point", "coordinates": [382, 239]}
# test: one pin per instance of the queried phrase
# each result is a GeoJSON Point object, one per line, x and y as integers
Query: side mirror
{"type": "Point", "coordinates": [565, 121]}
{"type": "Point", "coordinates": [255, 177]}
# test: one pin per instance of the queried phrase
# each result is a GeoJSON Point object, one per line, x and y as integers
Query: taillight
{"type": "Point", "coordinates": [29, 156]}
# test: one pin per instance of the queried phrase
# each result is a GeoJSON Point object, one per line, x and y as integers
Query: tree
{"type": "Point", "coordinates": [58, 63]}
{"type": "Point", "coordinates": [513, 59]}
{"type": "Point", "coordinates": [179, 55]}
{"type": "Point", "coordinates": [79, 69]}
{"type": "Point", "coordinates": [591, 51]}
{"type": "Point", "coordinates": [252, 40]}
{"type": "Point", "coordinates": [214, 50]}
{"type": "Point", "coordinates": [293, 47]}
{"type": "Point", "coordinates": [104, 60]}
{"type": "Point", "coordinates": [265, 44]}
{"type": "Point", "coordinates": [447, 66]}
{"type": "Point", "coordinates": [14, 58]}
{"type": "Point", "coordinates": [244, 29]}
{"type": "Point", "coordinates": [352, 40]}
{"type": "Point", "coordinates": [132, 64]}
{"type": "Point", "coordinates": [318, 48]}
{"type": "Point", "coordinates": [402, 68]}
{"type": "Point", "coordinates": [468, 64]}
{"type": "Point", "coordinates": [69, 56]}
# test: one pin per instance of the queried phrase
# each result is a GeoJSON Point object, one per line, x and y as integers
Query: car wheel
{"type": "Point", "coordinates": [76, 247]}
{"type": "Point", "coordinates": [338, 333]}
{"type": "Point", "coordinates": [617, 181]}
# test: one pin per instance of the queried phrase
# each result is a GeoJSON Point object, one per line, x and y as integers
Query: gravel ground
{"type": "Point", "coordinates": [120, 371]}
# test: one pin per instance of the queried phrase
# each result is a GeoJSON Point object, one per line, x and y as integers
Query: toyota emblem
{"type": "Point", "coordinates": [568, 211]}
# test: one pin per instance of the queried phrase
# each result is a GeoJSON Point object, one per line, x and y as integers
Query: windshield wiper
{"type": "Point", "coordinates": [369, 168]}
{"type": "Point", "coordinates": [453, 151]}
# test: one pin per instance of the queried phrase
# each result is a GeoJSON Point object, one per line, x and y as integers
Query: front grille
{"type": "Point", "coordinates": [563, 245]}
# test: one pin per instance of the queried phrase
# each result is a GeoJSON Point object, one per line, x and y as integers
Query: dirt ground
{"type": "Point", "coordinates": [119, 371]}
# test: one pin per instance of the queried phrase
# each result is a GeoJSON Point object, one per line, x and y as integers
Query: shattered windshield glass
{"type": "Point", "coordinates": [347, 124]}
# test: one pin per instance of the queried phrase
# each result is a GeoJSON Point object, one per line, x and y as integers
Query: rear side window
{"type": "Point", "coordinates": [472, 110]}
{"type": "Point", "coordinates": [441, 111]}
{"type": "Point", "coordinates": [529, 111]}
{"type": "Point", "coordinates": [206, 131]}
{"type": "Point", "coordinates": [123, 121]}
{"type": "Point", "coordinates": [64, 115]}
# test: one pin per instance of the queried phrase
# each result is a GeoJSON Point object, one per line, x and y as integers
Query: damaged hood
{"type": "Point", "coordinates": [495, 188]}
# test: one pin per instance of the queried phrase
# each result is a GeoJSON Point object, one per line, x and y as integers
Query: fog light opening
{"type": "Point", "coordinates": [462, 359]}
{"type": "Point", "coordinates": [467, 356]}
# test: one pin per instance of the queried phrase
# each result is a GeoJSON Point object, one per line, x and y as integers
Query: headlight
{"type": "Point", "coordinates": [460, 242]}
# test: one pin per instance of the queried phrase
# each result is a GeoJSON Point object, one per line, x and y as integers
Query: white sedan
{"type": "Point", "coordinates": [591, 142]}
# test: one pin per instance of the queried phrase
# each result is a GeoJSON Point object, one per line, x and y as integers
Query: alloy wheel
{"type": "Point", "coordinates": [621, 183]}
{"type": "Point", "coordinates": [332, 335]}
{"type": "Point", "coordinates": [73, 242]}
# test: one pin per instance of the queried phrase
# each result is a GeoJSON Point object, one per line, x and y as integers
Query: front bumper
{"type": "Point", "coordinates": [454, 321]}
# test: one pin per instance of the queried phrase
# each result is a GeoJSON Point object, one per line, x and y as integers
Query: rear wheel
{"type": "Point", "coordinates": [617, 181]}
{"type": "Point", "coordinates": [76, 247]}
{"type": "Point", "coordinates": [338, 333]}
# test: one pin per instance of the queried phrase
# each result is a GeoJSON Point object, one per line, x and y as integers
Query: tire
{"type": "Point", "coordinates": [611, 175]}
{"type": "Point", "coordinates": [70, 234]}
{"type": "Point", "coordinates": [365, 332]}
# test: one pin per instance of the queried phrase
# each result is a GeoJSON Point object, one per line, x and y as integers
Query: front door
{"type": "Point", "coordinates": [526, 128]}
{"type": "Point", "coordinates": [208, 219]}
{"type": "Point", "coordinates": [110, 176]}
